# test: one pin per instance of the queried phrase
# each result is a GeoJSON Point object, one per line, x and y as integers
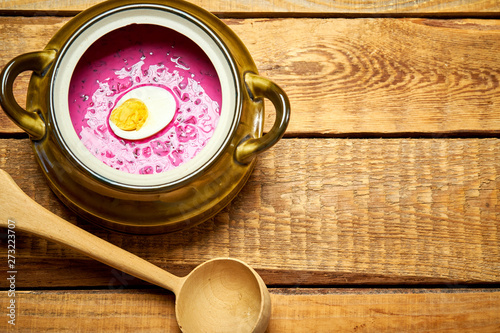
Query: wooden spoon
{"type": "Point", "coordinates": [220, 295]}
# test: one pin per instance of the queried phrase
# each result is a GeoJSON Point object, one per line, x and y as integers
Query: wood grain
{"type": "Point", "coordinates": [298, 310]}
{"type": "Point", "coordinates": [316, 212]}
{"type": "Point", "coordinates": [383, 76]}
{"type": "Point", "coordinates": [473, 7]}
{"type": "Point", "coordinates": [351, 77]}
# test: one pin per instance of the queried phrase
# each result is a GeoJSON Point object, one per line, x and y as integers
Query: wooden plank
{"type": "Point", "coordinates": [475, 7]}
{"type": "Point", "coordinates": [345, 77]}
{"type": "Point", "coordinates": [384, 76]}
{"type": "Point", "coordinates": [315, 212]}
{"type": "Point", "coordinates": [21, 35]}
{"type": "Point", "coordinates": [299, 310]}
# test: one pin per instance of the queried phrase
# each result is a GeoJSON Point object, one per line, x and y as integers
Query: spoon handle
{"type": "Point", "coordinates": [29, 216]}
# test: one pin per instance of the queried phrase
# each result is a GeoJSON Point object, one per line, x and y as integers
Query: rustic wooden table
{"type": "Point", "coordinates": [378, 211]}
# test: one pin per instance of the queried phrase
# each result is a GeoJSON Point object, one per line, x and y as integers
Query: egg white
{"type": "Point", "coordinates": [161, 106]}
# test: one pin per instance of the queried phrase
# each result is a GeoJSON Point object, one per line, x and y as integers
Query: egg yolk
{"type": "Point", "coordinates": [131, 115]}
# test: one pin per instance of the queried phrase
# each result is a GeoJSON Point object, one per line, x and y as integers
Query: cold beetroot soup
{"type": "Point", "coordinates": [162, 83]}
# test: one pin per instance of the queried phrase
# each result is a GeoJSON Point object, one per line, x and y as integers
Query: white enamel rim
{"type": "Point", "coordinates": [157, 15]}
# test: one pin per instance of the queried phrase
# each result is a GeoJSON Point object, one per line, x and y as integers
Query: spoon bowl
{"type": "Point", "coordinates": [223, 288]}
{"type": "Point", "coordinates": [220, 295]}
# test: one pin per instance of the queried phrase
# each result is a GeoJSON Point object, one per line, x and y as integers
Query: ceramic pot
{"type": "Point", "coordinates": [166, 181]}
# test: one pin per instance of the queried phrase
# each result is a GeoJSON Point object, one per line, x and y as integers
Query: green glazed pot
{"type": "Point", "coordinates": [145, 204]}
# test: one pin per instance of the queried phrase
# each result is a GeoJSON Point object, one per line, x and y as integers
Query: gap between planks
{"type": "Point", "coordinates": [283, 15]}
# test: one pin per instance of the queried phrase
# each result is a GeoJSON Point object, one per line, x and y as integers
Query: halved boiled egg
{"type": "Point", "coordinates": [142, 112]}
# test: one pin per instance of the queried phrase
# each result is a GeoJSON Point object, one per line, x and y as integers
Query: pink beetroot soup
{"type": "Point", "coordinates": [132, 57]}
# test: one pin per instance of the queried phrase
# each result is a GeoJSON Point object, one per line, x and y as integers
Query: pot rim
{"type": "Point", "coordinates": [191, 25]}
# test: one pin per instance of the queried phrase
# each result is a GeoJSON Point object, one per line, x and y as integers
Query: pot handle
{"type": "Point", "coordinates": [38, 62]}
{"type": "Point", "coordinates": [258, 88]}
